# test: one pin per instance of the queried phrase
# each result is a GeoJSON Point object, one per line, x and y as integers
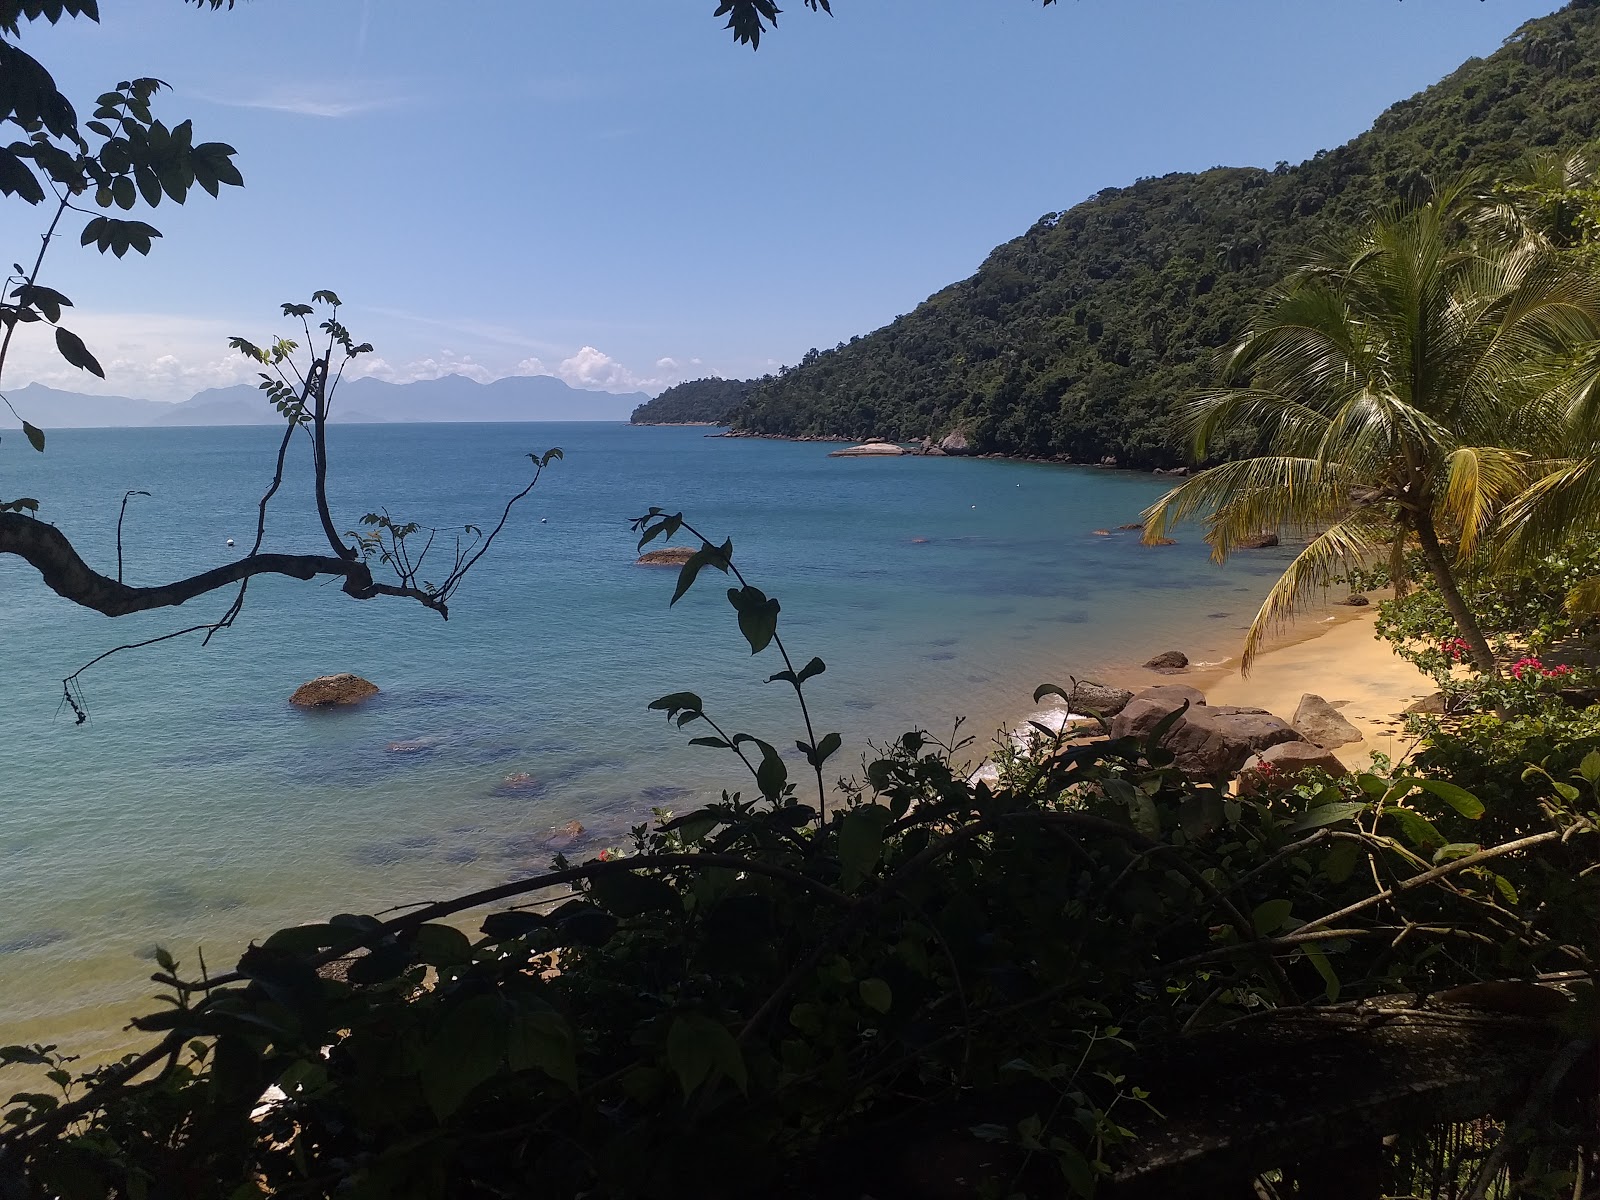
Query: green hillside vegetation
{"type": "Point", "coordinates": [700, 401]}
{"type": "Point", "coordinates": [1076, 339]}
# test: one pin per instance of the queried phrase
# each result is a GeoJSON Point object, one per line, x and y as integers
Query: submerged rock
{"type": "Point", "coordinates": [1168, 660]}
{"type": "Point", "coordinates": [563, 836]}
{"type": "Point", "coordinates": [1257, 541]}
{"type": "Point", "coordinates": [330, 691]}
{"type": "Point", "coordinates": [1322, 723]}
{"type": "Point", "coordinates": [667, 556]}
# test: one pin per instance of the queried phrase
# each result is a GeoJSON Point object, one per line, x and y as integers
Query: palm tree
{"type": "Point", "coordinates": [1391, 386]}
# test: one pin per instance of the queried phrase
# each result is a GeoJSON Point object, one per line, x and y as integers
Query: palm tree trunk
{"type": "Point", "coordinates": [1439, 567]}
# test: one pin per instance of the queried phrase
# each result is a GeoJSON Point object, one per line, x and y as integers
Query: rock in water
{"type": "Point", "coordinates": [1168, 660]}
{"type": "Point", "coordinates": [667, 556]}
{"type": "Point", "coordinates": [330, 691]}
{"type": "Point", "coordinates": [868, 450]}
{"type": "Point", "coordinates": [1322, 723]}
{"type": "Point", "coordinates": [1257, 541]}
{"type": "Point", "coordinates": [1285, 763]}
{"type": "Point", "coordinates": [956, 443]}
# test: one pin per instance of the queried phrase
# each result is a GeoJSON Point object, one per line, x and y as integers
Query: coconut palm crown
{"type": "Point", "coordinates": [1394, 385]}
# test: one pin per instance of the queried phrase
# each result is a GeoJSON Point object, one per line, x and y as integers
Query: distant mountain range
{"type": "Point", "coordinates": [357, 402]}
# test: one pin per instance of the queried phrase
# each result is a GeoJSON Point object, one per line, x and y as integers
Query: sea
{"type": "Point", "coordinates": [195, 809]}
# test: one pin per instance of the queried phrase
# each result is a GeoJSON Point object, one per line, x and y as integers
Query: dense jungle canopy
{"type": "Point", "coordinates": [1077, 338]}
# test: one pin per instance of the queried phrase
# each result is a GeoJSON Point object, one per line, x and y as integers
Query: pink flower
{"type": "Point", "coordinates": [1455, 649]}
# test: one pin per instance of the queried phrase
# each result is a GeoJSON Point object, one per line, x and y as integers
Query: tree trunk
{"type": "Point", "coordinates": [1439, 567]}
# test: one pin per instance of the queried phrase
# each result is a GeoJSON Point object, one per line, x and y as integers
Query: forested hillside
{"type": "Point", "coordinates": [700, 401]}
{"type": "Point", "coordinates": [1076, 338]}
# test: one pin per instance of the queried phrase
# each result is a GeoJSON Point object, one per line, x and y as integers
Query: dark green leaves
{"type": "Point", "coordinates": [758, 616]}
{"type": "Point", "coordinates": [35, 437]}
{"type": "Point", "coordinates": [812, 669]}
{"type": "Point", "coordinates": [861, 833]}
{"type": "Point", "coordinates": [632, 894]}
{"type": "Point", "coordinates": [700, 1048]}
{"type": "Point", "coordinates": [707, 556]}
{"type": "Point", "coordinates": [465, 1051]}
{"type": "Point", "coordinates": [75, 352]}
{"type": "Point", "coordinates": [118, 236]}
{"type": "Point", "coordinates": [539, 1038]}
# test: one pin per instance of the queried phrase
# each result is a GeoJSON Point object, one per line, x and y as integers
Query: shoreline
{"type": "Point", "coordinates": [1333, 654]}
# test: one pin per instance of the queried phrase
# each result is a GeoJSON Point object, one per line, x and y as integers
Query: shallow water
{"type": "Point", "coordinates": [197, 807]}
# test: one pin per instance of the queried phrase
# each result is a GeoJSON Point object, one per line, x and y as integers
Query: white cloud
{"type": "Point", "coordinates": [444, 362]}
{"type": "Point", "coordinates": [593, 369]}
{"type": "Point", "coordinates": [531, 366]}
{"type": "Point", "coordinates": [314, 98]}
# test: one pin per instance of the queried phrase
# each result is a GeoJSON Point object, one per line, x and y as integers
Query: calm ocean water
{"type": "Point", "coordinates": [197, 808]}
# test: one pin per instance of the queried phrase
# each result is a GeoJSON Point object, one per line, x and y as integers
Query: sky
{"type": "Point", "coordinates": [616, 194]}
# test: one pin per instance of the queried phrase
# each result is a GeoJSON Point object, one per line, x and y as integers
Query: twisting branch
{"type": "Point", "coordinates": [122, 516]}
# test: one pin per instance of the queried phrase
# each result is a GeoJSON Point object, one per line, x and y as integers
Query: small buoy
{"type": "Point", "coordinates": [974, 506]}
{"type": "Point", "coordinates": [544, 520]}
{"type": "Point", "coordinates": [230, 541]}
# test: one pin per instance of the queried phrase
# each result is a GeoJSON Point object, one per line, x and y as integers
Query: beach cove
{"type": "Point", "coordinates": [197, 809]}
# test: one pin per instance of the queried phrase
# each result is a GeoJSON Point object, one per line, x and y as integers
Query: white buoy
{"type": "Point", "coordinates": [544, 520]}
{"type": "Point", "coordinates": [230, 541]}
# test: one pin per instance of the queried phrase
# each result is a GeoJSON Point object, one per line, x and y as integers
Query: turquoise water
{"type": "Point", "coordinates": [196, 807]}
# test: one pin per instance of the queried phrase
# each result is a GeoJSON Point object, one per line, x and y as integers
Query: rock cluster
{"type": "Point", "coordinates": [333, 691]}
{"type": "Point", "coordinates": [868, 450]}
{"type": "Point", "coordinates": [1207, 741]}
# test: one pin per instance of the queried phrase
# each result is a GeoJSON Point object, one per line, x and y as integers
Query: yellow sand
{"type": "Point", "coordinates": [1341, 661]}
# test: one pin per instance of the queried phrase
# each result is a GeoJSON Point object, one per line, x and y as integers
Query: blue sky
{"type": "Point", "coordinates": [615, 193]}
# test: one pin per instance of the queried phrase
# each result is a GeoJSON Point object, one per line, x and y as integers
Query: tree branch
{"type": "Point", "coordinates": [49, 551]}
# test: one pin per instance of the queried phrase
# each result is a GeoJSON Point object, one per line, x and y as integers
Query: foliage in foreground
{"type": "Point", "coordinates": [763, 978]}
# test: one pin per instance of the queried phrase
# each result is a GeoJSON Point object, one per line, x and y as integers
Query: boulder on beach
{"type": "Point", "coordinates": [1285, 763]}
{"type": "Point", "coordinates": [1257, 541]}
{"type": "Point", "coordinates": [1148, 708]}
{"type": "Point", "coordinates": [1168, 660]}
{"type": "Point", "coordinates": [1087, 696]}
{"type": "Point", "coordinates": [868, 450]}
{"type": "Point", "coordinates": [667, 556]}
{"type": "Point", "coordinates": [1214, 741]}
{"type": "Point", "coordinates": [955, 443]}
{"type": "Point", "coordinates": [333, 691]}
{"type": "Point", "coordinates": [1355, 600]}
{"type": "Point", "coordinates": [1322, 723]}
{"type": "Point", "coordinates": [1207, 741]}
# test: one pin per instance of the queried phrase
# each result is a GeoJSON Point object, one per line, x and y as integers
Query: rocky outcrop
{"type": "Point", "coordinates": [1168, 661]}
{"type": "Point", "coordinates": [333, 691]}
{"type": "Point", "coordinates": [667, 556]}
{"type": "Point", "coordinates": [1148, 708]}
{"type": "Point", "coordinates": [1355, 600]}
{"type": "Point", "coordinates": [956, 442]}
{"type": "Point", "coordinates": [1094, 698]}
{"type": "Point", "coordinates": [1322, 723]}
{"type": "Point", "coordinates": [868, 450]}
{"type": "Point", "coordinates": [1257, 541]}
{"type": "Point", "coordinates": [1207, 741]}
{"type": "Point", "coordinates": [563, 836]}
{"type": "Point", "coordinates": [1284, 764]}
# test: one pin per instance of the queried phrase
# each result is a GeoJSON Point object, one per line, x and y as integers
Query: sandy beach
{"type": "Point", "coordinates": [1340, 660]}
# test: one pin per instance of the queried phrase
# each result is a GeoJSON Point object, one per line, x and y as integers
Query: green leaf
{"type": "Point", "coordinates": [1341, 862]}
{"type": "Point", "coordinates": [758, 616]}
{"type": "Point", "coordinates": [1415, 828]}
{"type": "Point", "coordinates": [1458, 798]}
{"type": "Point", "coordinates": [466, 1050]}
{"type": "Point", "coordinates": [1319, 960]}
{"type": "Point", "coordinates": [1328, 814]}
{"type": "Point", "coordinates": [861, 833]}
{"type": "Point", "coordinates": [1271, 916]}
{"type": "Point", "coordinates": [1455, 850]}
{"type": "Point", "coordinates": [875, 994]}
{"type": "Point", "coordinates": [540, 1038]}
{"type": "Point", "coordinates": [1077, 1170]}
{"type": "Point", "coordinates": [825, 749]}
{"type": "Point", "coordinates": [35, 436]}
{"type": "Point", "coordinates": [701, 1048]}
{"type": "Point", "coordinates": [1589, 768]}
{"type": "Point", "coordinates": [75, 352]}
